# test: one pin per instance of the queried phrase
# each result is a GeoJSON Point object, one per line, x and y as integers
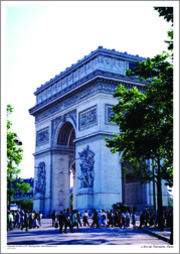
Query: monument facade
{"type": "Point", "coordinates": [72, 115]}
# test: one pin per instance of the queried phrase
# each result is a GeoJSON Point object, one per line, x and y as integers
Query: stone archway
{"type": "Point", "coordinates": [63, 164]}
{"type": "Point", "coordinates": [76, 106]}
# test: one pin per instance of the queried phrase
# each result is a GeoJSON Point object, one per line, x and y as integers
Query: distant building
{"type": "Point", "coordinates": [18, 194]}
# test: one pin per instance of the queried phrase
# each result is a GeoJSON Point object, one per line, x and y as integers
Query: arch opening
{"type": "Point", "coordinates": [66, 135]}
{"type": "Point", "coordinates": [65, 139]}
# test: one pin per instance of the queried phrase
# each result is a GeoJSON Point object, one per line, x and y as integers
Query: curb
{"type": "Point", "coordinates": [154, 234]}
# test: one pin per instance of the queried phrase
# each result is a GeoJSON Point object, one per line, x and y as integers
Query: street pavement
{"type": "Point", "coordinates": [47, 235]}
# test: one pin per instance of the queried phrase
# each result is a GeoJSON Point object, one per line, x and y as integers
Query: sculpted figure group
{"type": "Point", "coordinates": [87, 168]}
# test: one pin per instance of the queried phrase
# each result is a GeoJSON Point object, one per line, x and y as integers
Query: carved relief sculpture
{"type": "Point", "coordinates": [41, 179]}
{"type": "Point", "coordinates": [42, 137]}
{"type": "Point", "coordinates": [88, 118]}
{"type": "Point", "coordinates": [87, 168]}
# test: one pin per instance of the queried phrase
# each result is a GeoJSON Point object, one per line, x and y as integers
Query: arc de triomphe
{"type": "Point", "coordinates": [72, 114]}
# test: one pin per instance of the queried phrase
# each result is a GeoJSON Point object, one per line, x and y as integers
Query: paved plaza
{"type": "Point", "coordinates": [47, 235]}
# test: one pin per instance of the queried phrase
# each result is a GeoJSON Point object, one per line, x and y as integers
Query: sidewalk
{"type": "Point", "coordinates": [163, 235]}
{"type": "Point", "coordinates": [48, 235]}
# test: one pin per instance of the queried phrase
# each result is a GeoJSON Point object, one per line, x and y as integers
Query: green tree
{"type": "Point", "coordinates": [146, 122]}
{"type": "Point", "coordinates": [14, 157]}
{"type": "Point", "coordinates": [25, 203]}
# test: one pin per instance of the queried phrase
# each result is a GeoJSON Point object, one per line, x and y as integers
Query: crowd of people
{"type": "Point", "coordinates": [150, 218]}
{"type": "Point", "coordinates": [23, 219]}
{"type": "Point", "coordinates": [101, 218]}
{"type": "Point", "coordinates": [119, 216]}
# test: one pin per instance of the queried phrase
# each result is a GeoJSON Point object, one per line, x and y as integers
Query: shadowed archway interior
{"type": "Point", "coordinates": [65, 140]}
{"type": "Point", "coordinates": [66, 135]}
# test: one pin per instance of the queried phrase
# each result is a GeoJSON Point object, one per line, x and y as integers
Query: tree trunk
{"type": "Point", "coordinates": [160, 208]}
{"type": "Point", "coordinates": [9, 198]}
{"type": "Point", "coordinates": [154, 193]}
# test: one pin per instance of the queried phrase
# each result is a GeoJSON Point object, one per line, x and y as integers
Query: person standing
{"type": "Point", "coordinates": [40, 218]}
{"type": "Point", "coordinates": [147, 217]}
{"type": "Point", "coordinates": [119, 219]}
{"type": "Point", "coordinates": [53, 218]}
{"type": "Point", "coordinates": [62, 221]}
{"type": "Point", "coordinates": [116, 224]}
{"type": "Point", "coordinates": [171, 228]}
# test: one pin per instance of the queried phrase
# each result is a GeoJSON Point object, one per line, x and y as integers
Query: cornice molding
{"type": "Point", "coordinates": [99, 51]}
{"type": "Point", "coordinates": [106, 62]}
{"type": "Point", "coordinates": [99, 77]}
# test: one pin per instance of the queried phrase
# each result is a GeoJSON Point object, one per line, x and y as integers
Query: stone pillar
{"type": "Point", "coordinates": [106, 189]}
{"type": "Point", "coordinates": [61, 181]}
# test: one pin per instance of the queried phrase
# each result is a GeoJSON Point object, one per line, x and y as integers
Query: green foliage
{"type": "Point", "coordinates": [170, 204]}
{"type": "Point", "coordinates": [146, 119]}
{"type": "Point", "coordinates": [166, 12]}
{"type": "Point", "coordinates": [25, 203]}
{"type": "Point", "coordinates": [14, 158]}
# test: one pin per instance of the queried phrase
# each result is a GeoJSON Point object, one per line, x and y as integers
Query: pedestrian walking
{"type": "Point", "coordinates": [30, 220]}
{"type": "Point", "coordinates": [62, 221]}
{"type": "Point", "coordinates": [79, 218]}
{"type": "Point", "coordinates": [17, 220]}
{"type": "Point", "coordinates": [123, 220]}
{"type": "Point", "coordinates": [35, 222]}
{"type": "Point", "coordinates": [95, 219]}
{"type": "Point", "coordinates": [68, 221]}
{"type": "Point", "coordinates": [111, 218]}
{"type": "Point", "coordinates": [22, 218]}
{"type": "Point", "coordinates": [134, 220]}
{"type": "Point", "coordinates": [26, 221]}
{"type": "Point", "coordinates": [100, 217]}
{"type": "Point", "coordinates": [127, 219]}
{"type": "Point", "coordinates": [104, 218]}
{"type": "Point", "coordinates": [85, 218]}
{"type": "Point", "coordinates": [75, 220]}
{"type": "Point", "coordinates": [9, 221]}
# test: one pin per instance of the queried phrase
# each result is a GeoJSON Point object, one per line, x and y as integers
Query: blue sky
{"type": "Point", "coordinates": [44, 38]}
